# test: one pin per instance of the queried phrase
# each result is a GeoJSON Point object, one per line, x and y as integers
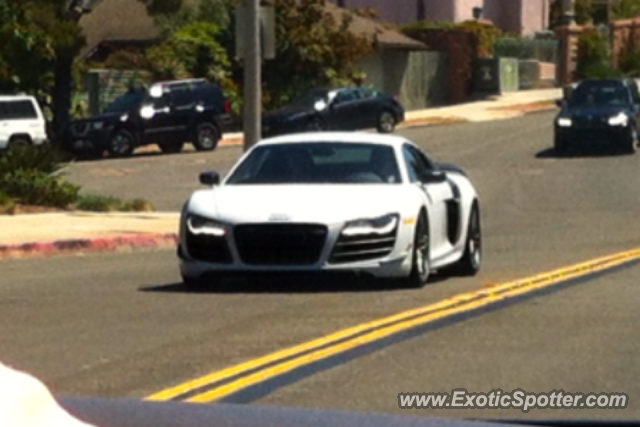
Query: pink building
{"type": "Point", "coordinates": [519, 16]}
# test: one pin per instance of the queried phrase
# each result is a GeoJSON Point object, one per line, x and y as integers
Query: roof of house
{"type": "Point", "coordinates": [377, 32]}
{"type": "Point", "coordinates": [128, 20]}
{"type": "Point", "coordinates": [116, 20]}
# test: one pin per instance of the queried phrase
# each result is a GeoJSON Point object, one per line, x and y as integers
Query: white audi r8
{"type": "Point", "coordinates": [332, 202]}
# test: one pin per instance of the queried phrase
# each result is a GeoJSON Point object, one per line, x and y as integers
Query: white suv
{"type": "Point", "coordinates": [21, 121]}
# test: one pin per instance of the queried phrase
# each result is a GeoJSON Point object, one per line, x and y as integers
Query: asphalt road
{"type": "Point", "coordinates": [121, 325]}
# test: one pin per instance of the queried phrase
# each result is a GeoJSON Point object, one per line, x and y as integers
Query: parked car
{"type": "Point", "coordinates": [167, 114]}
{"type": "Point", "coordinates": [599, 113]}
{"type": "Point", "coordinates": [332, 109]}
{"type": "Point", "coordinates": [332, 202]}
{"type": "Point", "coordinates": [21, 121]}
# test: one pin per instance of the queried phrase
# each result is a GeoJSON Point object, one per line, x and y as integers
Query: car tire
{"type": "Point", "coordinates": [632, 142]}
{"type": "Point", "coordinates": [206, 137]}
{"type": "Point", "coordinates": [420, 264]}
{"type": "Point", "coordinates": [469, 264]}
{"type": "Point", "coordinates": [19, 142]}
{"type": "Point", "coordinates": [171, 147]}
{"type": "Point", "coordinates": [386, 122]}
{"type": "Point", "coordinates": [121, 144]}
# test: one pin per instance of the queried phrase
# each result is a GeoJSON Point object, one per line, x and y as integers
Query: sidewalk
{"type": "Point", "coordinates": [78, 232]}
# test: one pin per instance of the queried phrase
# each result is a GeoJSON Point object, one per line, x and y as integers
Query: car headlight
{"type": "Point", "coordinates": [620, 120]}
{"type": "Point", "coordinates": [565, 122]}
{"type": "Point", "coordinates": [200, 225]}
{"type": "Point", "coordinates": [381, 225]}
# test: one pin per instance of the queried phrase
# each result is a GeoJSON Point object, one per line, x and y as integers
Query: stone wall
{"type": "Point", "coordinates": [624, 33]}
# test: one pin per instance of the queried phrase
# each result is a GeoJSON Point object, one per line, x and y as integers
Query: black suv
{"type": "Point", "coordinates": [167, 114]}
{"type": "Point", "coordinates": [600, 113]}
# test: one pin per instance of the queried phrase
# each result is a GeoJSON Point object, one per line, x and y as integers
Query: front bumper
{"type": "Point", "coordinates": [82, 138]}
{"type": "Point", "coordinates": [236, 254]}
{"type": "Point", "coordinates": [602, 136]}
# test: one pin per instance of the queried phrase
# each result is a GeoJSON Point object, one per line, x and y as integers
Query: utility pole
{"type": "Point", "coordinates": [252, 76]}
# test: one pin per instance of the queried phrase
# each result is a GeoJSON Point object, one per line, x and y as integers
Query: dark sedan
{"type": "Point", "coordinates": [346, 108]}
{"type": "Point", "coordinates": [599, 114]}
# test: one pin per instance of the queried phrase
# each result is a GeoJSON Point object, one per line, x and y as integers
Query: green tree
{"type": "Point", "coordinates": [26, 56]}
{"type": "Point", "coordinates": [41, 39]}
{"type": "Point", "coordinates": [314, 48]}
{"type": "Point", "coordinates": [625, 9]}
{"type": "Point", "coordinates": [191, 42]}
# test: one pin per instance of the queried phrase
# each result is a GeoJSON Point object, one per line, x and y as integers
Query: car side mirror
{"type": "Point", "coordinates": [560, 103]}
{"type": "Point", "coordinates": [210, 178]}
{"type": "Point", "coordinates": [434, 176]}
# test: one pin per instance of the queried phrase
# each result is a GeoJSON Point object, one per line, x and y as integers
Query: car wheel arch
{"type": "Point", "coordinates": [20, 136]}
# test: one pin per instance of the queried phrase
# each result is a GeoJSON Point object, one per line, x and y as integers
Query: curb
{"type": "Point", "coordinates": [121, 243]}
{"type": "Point", "coordinates": [518, 110]}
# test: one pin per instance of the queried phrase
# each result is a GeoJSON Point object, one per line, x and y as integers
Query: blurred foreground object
{"type": "Point", "coordinates": [26, 402]}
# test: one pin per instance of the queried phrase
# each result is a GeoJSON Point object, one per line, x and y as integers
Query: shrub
{"type": "Point", "coordinates": [33, 187]}
{"type": "Point", "coordinates": [593, 56]}
{"type": "Point", "coordinates": [629, 62]}
{"type": "Point", "coordinates": [30, 175]}
{"type": "Point", "coordinates": [95, 203]}
{"type": "Point", "coordinates": [44, 158]}
{"type": "Point", "coordinates": [6, 201]}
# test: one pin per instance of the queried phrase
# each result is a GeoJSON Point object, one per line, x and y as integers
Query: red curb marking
{"type": "Point", "coordinates": [100, 244]}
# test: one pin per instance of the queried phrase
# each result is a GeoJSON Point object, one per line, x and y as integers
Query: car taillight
{"type": "Point", "coordinates": [227, 106]}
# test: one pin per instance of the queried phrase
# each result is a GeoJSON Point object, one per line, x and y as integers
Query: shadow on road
{"type": "Point", "coordinates": [547, 153]}
{"type": "Point", "coordinates": [289, 285]}
{"type": "Point", "coordinates": [550, 153]}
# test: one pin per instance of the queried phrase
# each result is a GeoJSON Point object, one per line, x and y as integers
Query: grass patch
{"type": "Point", "coordinates": [97, 203]}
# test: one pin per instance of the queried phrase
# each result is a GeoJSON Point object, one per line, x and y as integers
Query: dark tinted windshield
{"type": "Point", "coordinates": [318, 163]}
{"type": "Point", "coordinates": [600, 94]}
{"type": "Point", "coordinates": [126, 102]}
{"type": "Point", "coordinates": [311, 97]}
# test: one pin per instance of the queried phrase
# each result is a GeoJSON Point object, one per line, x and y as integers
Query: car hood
{"type": "Point", "coordinates": [300, 203]}
{"type": "Point", "coordinates": [596, 111]}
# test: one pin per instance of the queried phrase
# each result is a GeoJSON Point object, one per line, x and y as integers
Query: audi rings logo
{"type": "Point", "coordinates": [279, 217]}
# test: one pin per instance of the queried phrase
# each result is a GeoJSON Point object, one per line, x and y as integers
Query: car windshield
{"type": "Point", "coordinates": [125, 102]}
{"type": "Point", "coordinates": [311, 97]}
{"type": "Point", "coordinates": [599, 94]}
{"type": "Point", "coordinates": [318, 163]}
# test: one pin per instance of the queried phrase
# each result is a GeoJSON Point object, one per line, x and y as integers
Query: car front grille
{"type": "Point", "coordinates": [280, 244]}
{"type": "Point", "coordinates": [591, 123]}
{"type": "Point", "coordinates": [208, 248]}
{"type": "Point", "coordinates": [363, 247]}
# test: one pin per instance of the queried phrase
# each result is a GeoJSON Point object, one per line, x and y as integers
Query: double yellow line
{"type": "Point", "coordinates": [220, 384]}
